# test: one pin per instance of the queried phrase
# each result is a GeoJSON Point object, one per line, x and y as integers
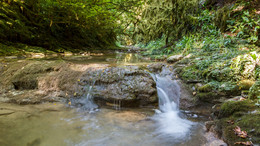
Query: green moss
{"type": "Point", "coordinates": [247, 122]}
{"type": "Point", "coordinates": [251, 124]}
{"type": "Point", "coordinates": [246, 84]}
{"type": "Point", "coordinates": [254, 91]}
{"type": "Point", "coordinates": [220, 74]}
{"type": "Point", "coordinates": [184, 61]}
{"type": "Point", "coordinates": [190, 73]}
{"type": "Point", "coordinates": [229, 135]}
{"type": "Point", "coordinates": [19, 49]}
{"type": "Point", "coordinates": [229, 88]}
{"type": "Point", "coordinates": [231, 107]}
{"type": "Point", "coordinates": [205, 88]}
{"type": "Point", "coordinates": [207, 97]}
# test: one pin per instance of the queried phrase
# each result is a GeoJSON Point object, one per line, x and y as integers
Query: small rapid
{"type": "Point", "coordinates": [167, 118]}
{"type": "Point", "coordinates": [86, 102]}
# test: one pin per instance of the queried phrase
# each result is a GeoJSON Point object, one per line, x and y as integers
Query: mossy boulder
{"type": "Point", "coordinates": [207, 97]}
{"type": "Point", "coordinates": [246, 84]}
{"type": "Point", "coordinates": [254, 91]}
{"type": "Point", "coordinates": [26, 82]}
{"type": "Point", "coordinates": [205, 88]}
{"type": "Point", "coordinates": [229, 88]}
{"type": "Point", "coordinates": [251, 124]}
{"type": "Point", "coordinates": [231, 107]}
{"type": "Point", "coordinates": [243, 114]}
{"type": "Point", "coordinates": [218, 74]}
{"type": "Point", "coordinates": [247, 122]}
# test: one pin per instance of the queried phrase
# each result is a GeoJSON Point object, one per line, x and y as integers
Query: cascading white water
{"type": "Point", "coordinates": [169, 123]}
{"type": "Point", "coordinates": [86, 102]}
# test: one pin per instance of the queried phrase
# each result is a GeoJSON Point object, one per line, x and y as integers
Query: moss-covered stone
{"type": "Point", "coordinates": [219, 74]}
{"type": "Point", "coordinates": [229, 135]}
{"type": "Point", "coordinates": [247, 122]}
{"type": "Point", "coordinates": [251, 124]}
{"type": "Point", "coordinates": [231, 107]}
{"type": "Point", "coordinates": [207, 97]}
{"type": "Point", "coordinates": [254, 91]}
{"type": "Point", "coordinates": [246, 84]}
{"type": "Point", "coordinates": [205, 88]}
{"type": "Point", "coordinates": [230, 88]}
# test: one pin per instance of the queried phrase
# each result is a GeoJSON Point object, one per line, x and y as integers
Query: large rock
{"type": "Point", "coordinates": [33, 82]}
{"type": "Point", "coordinates": [114, 86]}
{"type": "Point", "coordinates": [27, 77]}
{"type": "Point", "coordinates": [174, 58]}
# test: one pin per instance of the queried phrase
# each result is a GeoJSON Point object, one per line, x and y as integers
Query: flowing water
{"type": "Point", "coordinates": [55, 124]}
{"type": "Point", "coordinates": [60, 124]}
{"type": "Point", "coordinates": [169, 122]}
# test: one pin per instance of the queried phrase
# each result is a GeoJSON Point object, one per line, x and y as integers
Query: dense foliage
{"type": "Point", "coordinates": [171, 18]}
{"type": "Point", "coordinates": [55, 24]}
{"type": "Point", "coordinates": [169, 21]}
{"type": "Point", "coordinates": [78, 24]}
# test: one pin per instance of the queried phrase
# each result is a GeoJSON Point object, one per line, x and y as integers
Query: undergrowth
{"type": "Point", "coordinates": [218, 54]}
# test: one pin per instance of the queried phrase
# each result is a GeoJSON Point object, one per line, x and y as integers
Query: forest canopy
{"type": "Point", "coordinates": [80, 24]}
{"type": "Point", "coordinates": [62, 23]}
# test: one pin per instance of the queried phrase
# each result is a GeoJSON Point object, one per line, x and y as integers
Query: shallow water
{"type": "Point", "coordinates": [59, 124]}
{"type": "Point", "coordinates": [56, 124]}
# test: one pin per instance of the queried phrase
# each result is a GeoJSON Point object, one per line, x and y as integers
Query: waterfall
{"type": "Point", "coordinates": [89, 104]}
{"type": "Point", "coordinates": [167, 118]}
{"type": "Point", "coordinates": [117, 104]}
{"type": "Point", "coordinates": [86, 101]}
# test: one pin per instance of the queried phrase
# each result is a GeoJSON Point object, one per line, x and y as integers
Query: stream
{"type": "Point", "coordinates": [60, 124]}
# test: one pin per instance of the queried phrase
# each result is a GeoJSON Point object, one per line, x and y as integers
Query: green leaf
{"type": "Point", "coordinates": [253, 56]}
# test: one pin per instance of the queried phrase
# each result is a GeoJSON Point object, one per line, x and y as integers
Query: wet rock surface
{"type": "Point", "coordinates": [128, 86]}
{"type": "Point", "coordinates": [35, 82]}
